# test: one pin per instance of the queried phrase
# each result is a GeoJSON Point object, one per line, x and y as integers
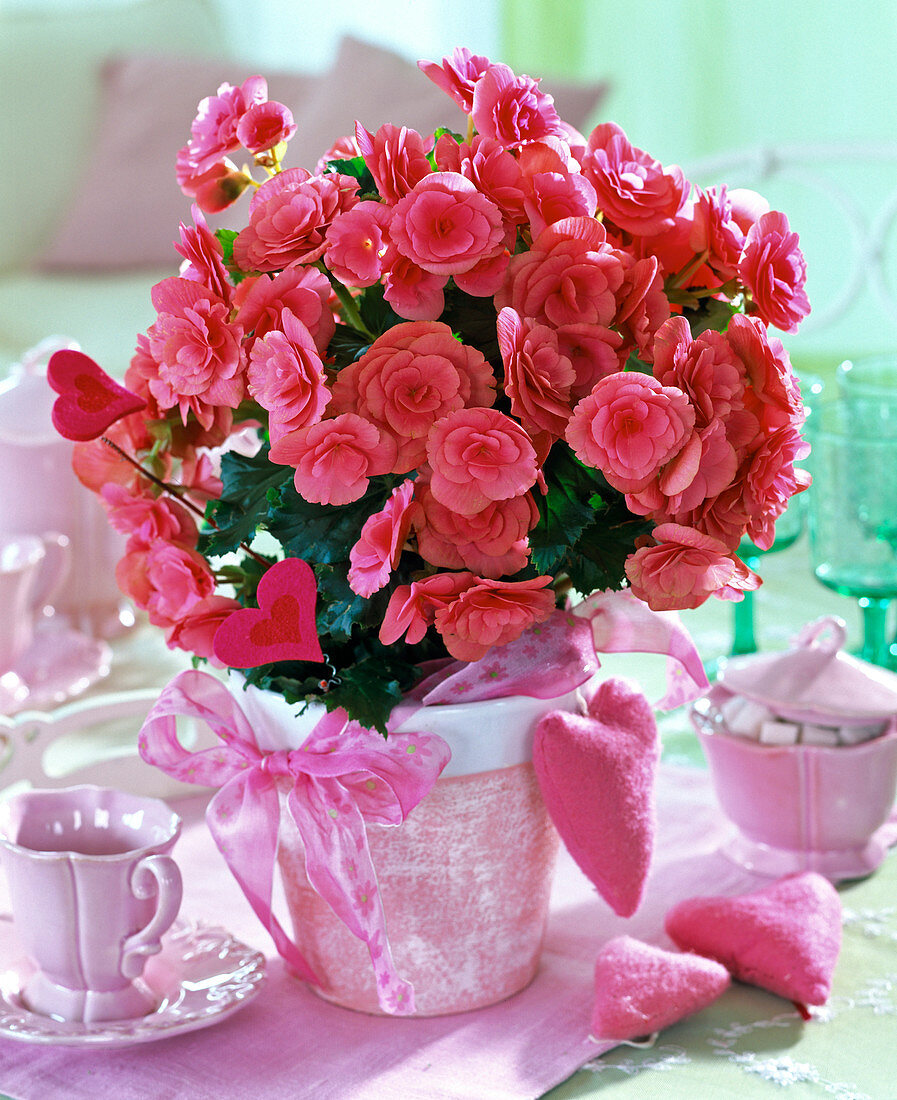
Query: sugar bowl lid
{"type": "Point", "coordinates": [815, 679]}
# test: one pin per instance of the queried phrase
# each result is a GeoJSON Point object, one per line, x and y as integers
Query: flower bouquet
{"type": "Point", "coordinates": [434, 392]}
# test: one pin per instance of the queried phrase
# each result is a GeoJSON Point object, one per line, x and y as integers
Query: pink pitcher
{"type": "Point", "coordinates": [39, 492]}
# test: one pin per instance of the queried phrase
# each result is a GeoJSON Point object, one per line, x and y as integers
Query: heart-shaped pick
{"type": "Point", "coordinates": [596, 773]}
{"type": "Point", "coordinates": [282, 628]}
{"type": "Point", "coordinates": [89, 400]}
{"type": "Point", "coordinates": [640, 989]}
{"type": "Point", "coordinates": [785, 937]}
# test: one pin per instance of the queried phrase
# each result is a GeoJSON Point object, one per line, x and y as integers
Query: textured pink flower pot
{"type": "Point", "coordinates": [465, 881]}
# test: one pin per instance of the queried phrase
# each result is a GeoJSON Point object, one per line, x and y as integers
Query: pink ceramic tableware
{"type": "Point", "coordinates": [32, 571]}
{"type": "Point", "coordinates": [39, 492]}
{"type": "Point", "coordinates": [93, 889]}
{"type": "Point", "coordinates": [806, 769]}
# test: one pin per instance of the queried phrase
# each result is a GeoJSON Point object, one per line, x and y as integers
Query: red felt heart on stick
{"type": "Point", "coordinates": [282, 628]}
{"type": "Point", "coordinates": [89, 400]}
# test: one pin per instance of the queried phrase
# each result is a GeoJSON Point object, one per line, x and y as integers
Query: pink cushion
{"type": "Point", "coordinates": [596, 774]}
{"type": "Point", "coordinates": [125, 214]}
{"type": "Point", "coordinates": [640, 989]}
{"type": "Point", "coordinates": [785, 937]}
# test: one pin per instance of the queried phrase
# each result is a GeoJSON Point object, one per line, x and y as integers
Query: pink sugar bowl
{"type": "Point", "coordinates": [802, 751]}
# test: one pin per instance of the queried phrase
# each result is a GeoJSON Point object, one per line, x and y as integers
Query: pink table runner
{"type": "Point", "coordinates": [288, 1043]}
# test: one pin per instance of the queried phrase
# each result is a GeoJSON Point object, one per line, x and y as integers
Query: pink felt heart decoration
{"type": "Point", "coordinates": [785, 937]}
{"type": "Point", "coordinates": [640, 989]}
{"type": "Point", "coordinates": [89, 400]}
{"type": "Point", "coordinates": [596, 773]}
{"type": "Point", "coordinates": [282, 628]}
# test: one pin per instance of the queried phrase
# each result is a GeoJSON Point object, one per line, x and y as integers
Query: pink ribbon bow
{"type": "Point", "coordinates": [342, 777]}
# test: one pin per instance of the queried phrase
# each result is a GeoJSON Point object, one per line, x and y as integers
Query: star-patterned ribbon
{"type": "Point", "coordinates": [341, 778]}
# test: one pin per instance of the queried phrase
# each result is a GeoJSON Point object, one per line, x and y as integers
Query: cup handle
{"type": "Point", "coordinates": [55, 568]}
{"type": "Point", "coordinates": [153, 875]}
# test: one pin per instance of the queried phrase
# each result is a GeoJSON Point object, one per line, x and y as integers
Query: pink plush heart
{"type": "Point", "coordinates": [89, 400]}
{"type": "Point", "coordinates": [596, 773]}
{"type": "Point", "coordinates": [640, 989]}
{"type": "Point", "coordinates": [283, 626]}
{"type": "Point", "coordinates": [784, 938]}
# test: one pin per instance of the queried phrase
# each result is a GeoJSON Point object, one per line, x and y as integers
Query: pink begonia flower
{"type": "Point", "coordinates": [747, 207]}
{"type": "Point", "coordinates": [629, 427]}
{"type": "Point", "coordinates": [199, 475]}
{"type": "Point", "coordinates": [635, 192]}
{"type": "Point", "coordinates": [537, 376]}
{"type": "Point", "coordinates": [511, 109]}
{"type": "Point", "coordinates": [491, 613]}
{"type": "Point", "coordinates": [702, 469]}
{"type": "Point", "coordinates": [478, 456]}
{"type": "Point", "coordinates": [485, 278]}
{"type": "Point", "coordinates": [216, 188]}
{"type": "Point", "coordinates": [265, 125]}
{"type": "Point", "coordinates": [344, 148]}
{"type": "Point", "coordinates": [715, 231]}
{"type": "Point", "coordinates": [457, 75]}
{"type": "Point", "coordinates": [772, 480]}
{"type": "Point", "coordinates": [492, 542]}
{"type": "Point", "coordinates": [706, 369]}
{"type": "Point", "coordinates": [379, 547]}
{"type": "Point", "coordinates": [412, 607]}
{"type": "Point", "coordinates": [261, 301]}
{"type": "Point", "coordinates": [145, 518]}
{"type": "Point", "coordinates": [335, 458]}
{"type": "Point", "coordinates": [594, 352]}
{"type": "Point", "coordinates": [213, 132]}
{"type": "Point", "coordinates": [204, 258]}
{"type": "Point", "coordinates": [773, 269]}
{"type": "Point", "coordinates": [414, 294]}
{"type": "Point", "coordinates": [569, 276]}
{"type": "Point", "coordinates": [774, 394]}
{"type": "Point", "coordinates": [196, 631]}
{"type": "Point", "coordinates": [412, 375]}
{"type": "Point", "coordinates": [165, 580]}
{"type": "Point", "coordinates": [685, 568]}
{"type": "Point", "coordinates": [642, 305]}
{"type": "Point", "coordinates": [445, 225]}
{"type": "Point", "coordinates": [197, 349]}
{"type": "Point", "coordinates": [553, 196]}
{"type": "Point", "coordinates": [286, 377]}
{"type": "Point", "coordinates": [396, 158]}
{"type": "Point", "coordinates": [357, 242]}
{"type": "Point", "coordinates": [288, 219]}
{"type": "Point", "coordinates": [490, 168]}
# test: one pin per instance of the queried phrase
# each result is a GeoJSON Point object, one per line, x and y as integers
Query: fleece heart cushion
{"type": "Point", "coordinates": [640, 989]}
{"type": "Point", "coordinates": [785, 937]}
{"type": "Point", "coordinates": [596, 773]}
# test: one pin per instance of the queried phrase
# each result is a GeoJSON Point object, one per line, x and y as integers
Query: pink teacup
{"type": "Point", "coordinates": [32, 571]}
{"type": "Point", "coordinates": [93, 890]}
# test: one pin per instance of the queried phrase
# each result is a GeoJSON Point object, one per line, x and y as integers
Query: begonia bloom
{"type": "Point", "coordinates": [445, 225]}
{"type": "Point", "coordinates": [635, 192]}
{"type": "Point", "coordinates": [334, 459]}
{"type": "Point", "coordinates": [395, 157]}
{"type": "Point", "coordinates": [412, 607]}
{"type": "Point", "coordinates": [537, 376]}
{"type": "Point", "coordinates": [457, 75]}
{"type": "Point", "coordinates": [773, 269]}
{"type": "Point", "coordinates": [478, 456]}
{"type": "Point", "coordinates": [684, 568]}
{"type": "Point", "coordinates": [377, 551]}
{"type": "Point", "coordinates": [491, 613]}
{"type": "Point", "coordinates": [286, 377]}
{"type": "Point", "coordinates": [265, 125]}
{"type": "Point", "coordinates": [261, 301]}
{"type": "Point", "coordinates": [630, 426]}
{"type": "Point", "coordinates": [511, 109]}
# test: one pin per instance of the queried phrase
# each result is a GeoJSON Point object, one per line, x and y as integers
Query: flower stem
{"type": "Point", "coordinates": [347, 302]}
{"type": "Point", "coordinates": [178, 492]}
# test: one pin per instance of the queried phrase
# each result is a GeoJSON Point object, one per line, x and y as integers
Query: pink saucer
{"type": "Point", "coordinates": [58, 665]}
